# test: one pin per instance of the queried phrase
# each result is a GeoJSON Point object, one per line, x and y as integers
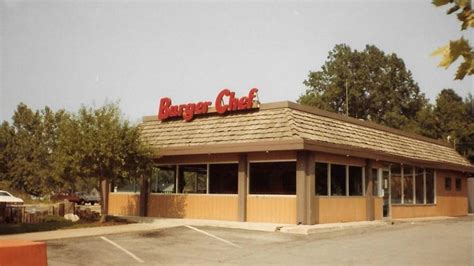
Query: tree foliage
{"type": "Point", "coordinates": [44, 152]}
{"type": "Point", "coordinates": [458, 48]}
{"type": "Point", "coordinates": [380, 88]}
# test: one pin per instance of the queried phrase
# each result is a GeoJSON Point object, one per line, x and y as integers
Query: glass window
{"type": "Point", "coordinates": [338, 180]}
{"type": "Point", "coordinates": [375, 178]}
{"type": "Point", "coordinates": [355, 181]}
{"type": "Point", "coordinates": [408, 184]}
{"type": "Point", "coordinates": [192, 178]}
{"type": "Point", "coordinates": [458, 184]}
{"type": "Point", "coordinates": [273, 178]}
{"type": "Point", "coordinates": [163, 179]}
{"type": "Point", "coordinates": [223, 178]}
{"type": "Point", "coordinates": [127, 185]}
{"type": "Point", "coordinates": [321, 179]}
{"type": "Point", "coordinates": [419, 186]}
{"type": "Point", "coordinates": [447, 183]}
{"type": "Point", "coordinates": [430, 186]}
{"type": "Point", "coordinates": [396, 183]}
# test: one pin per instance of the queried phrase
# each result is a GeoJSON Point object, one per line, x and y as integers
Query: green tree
{"type": "Point", "coordinates": [99, 146]}
{"type": "Point", "coordinates": [29, 151]}
{"type": "Point", "coordinates": [379, 87]}
{"type": "Point", "coordinates": [458, 48]}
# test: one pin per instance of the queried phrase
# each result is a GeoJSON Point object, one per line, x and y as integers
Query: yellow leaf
{"type": "Point", "coordinates": [445, 54]}
{"type": "Point", "coordinates": [440, 2]}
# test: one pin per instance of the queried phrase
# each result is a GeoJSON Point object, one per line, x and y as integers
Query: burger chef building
{"type": "Point", "coordinates": [282, 162]}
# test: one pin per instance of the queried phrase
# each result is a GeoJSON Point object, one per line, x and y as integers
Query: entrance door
{"type": "Point", "coordinates": [386, 192]}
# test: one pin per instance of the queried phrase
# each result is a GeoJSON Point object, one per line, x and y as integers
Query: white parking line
{"type": "Point", "coordinates": [122, 249]}
{"type": "Point", "coordinates": [213, 236]}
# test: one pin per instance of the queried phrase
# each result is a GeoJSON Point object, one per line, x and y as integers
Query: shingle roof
{"type": "Point", "coordinates": [289, 121]}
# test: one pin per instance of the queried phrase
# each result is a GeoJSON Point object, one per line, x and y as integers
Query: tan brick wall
{"type": "Point", "coordinates": [195, 206]}
{"type": "Point", "coordinates": [124, 204]}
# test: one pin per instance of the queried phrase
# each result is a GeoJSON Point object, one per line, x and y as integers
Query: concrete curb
{"type": "Point", "coordinates": [326, 228]}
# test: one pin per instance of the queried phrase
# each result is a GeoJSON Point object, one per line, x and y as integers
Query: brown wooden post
{"type": "Point", "coordinates": [301, 192]}
{"type": "Point", "coordinates": [369, 190]}
{"type": "Point", "coordinates": [143, 195]}
{"type": "Point", "coordinates": [310, 188]}
{"type": "Point", "coordinates": [242, 188]}
{"type": "Point", "coordinates": [104, 190]}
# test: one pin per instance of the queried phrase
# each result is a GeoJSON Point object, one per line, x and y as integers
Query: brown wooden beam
{"type": "Point", "coordinates": [369, 192]}
{"type": "Point", "coordinates": [301, 183]}
{"type": "Point", "coordinates": [242, 188]}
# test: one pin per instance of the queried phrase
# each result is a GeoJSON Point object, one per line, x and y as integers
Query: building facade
{"type": "Point", "coordinates": [287, 163]}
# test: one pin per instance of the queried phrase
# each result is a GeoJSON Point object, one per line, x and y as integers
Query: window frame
{"type": "Point", "coordinates": [329, 178]}
{"type": "Point", "coordinates": [207, 163]}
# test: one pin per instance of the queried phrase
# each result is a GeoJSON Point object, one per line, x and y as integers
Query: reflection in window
{"type": "Point", "coordinates": [322, 179]}
{"type": "Point", "coordinates": [192, 178]}
{"type": "Point", "coordinates": [458, 184]}
{"type": "Point", "coordinates": [273, 178]}
{"type": "Point", "coordinates": [375, 179]}
{"type": "Point", "coordinates": [408, 184]}
{"type": "Point", "coordinates": [127, 185]}
{"type": "Point", "coordinates": [396, 183]}
{"type": "Point", "coordinates": [223, 178]}
{"type": "Point", "coordinates": [447, 183]}
{"type": "Point", "coordinates": [430, 188]}
{"type": "Point", "coordinates": [355, 181]}
{"type": "Point", "coordinates": [419, 186]}
{"type": "Point", "coordinates": [338, 180]}
{"type": "Point", "coordinates": [163, 179]}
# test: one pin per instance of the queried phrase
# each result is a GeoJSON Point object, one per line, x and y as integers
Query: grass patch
{"type": "Point", "coordinates": [54, 223]}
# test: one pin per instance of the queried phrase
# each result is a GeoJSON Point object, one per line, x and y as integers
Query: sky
{"type": "Point", "coordinates": [64, 54]}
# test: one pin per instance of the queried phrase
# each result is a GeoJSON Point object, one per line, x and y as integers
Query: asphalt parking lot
{"type": "Point", "coordinates": [445, 242]}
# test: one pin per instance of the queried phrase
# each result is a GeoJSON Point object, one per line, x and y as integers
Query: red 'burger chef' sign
{"type": "Point", "coordinates": [225, 102]}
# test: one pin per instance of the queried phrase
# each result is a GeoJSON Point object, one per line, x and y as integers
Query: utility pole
{"type": "Point", "coordinates": [347, 100]}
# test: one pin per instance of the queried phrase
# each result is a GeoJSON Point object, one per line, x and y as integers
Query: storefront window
{"type": "Point", "coordinates": [458, 184]}
{"type": "Point", "coordinates": [355, 181]}
{"type": "Point", "coordinates": [338, 180]}
{"type": "Point", "coordinates": [430, 186]}
{"type": "Point", "coordinates": [127, 185]}
{"type": "Point", "coordinates": [396, 183]}
{"type": "Point", "coordinates": [192, 178]}
{"type": "Point", "coordinates": [163, 179]}
{"type": "Point", "coordinates": [223, 178]}
{"type": "Point", "coordinates": [273, 178]}
{"type": "Point", "coordinates": [419, 186]}
{"type": "Point", "coordinates": [408, 184]}
{"type": "Point", "coordinates": [447, 183]}
{"type": "Point", "coordinates": [322, 179]}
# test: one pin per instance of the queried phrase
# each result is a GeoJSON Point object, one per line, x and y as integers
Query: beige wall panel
{"type": "Point", "coordinates": [342, 209]}
{"type": "Point", "coordinates": [272, 155]}
{"type": "Point", "coordinates": [338, 159]}
{"type": "Point", "coordinates": [213, 207]}
{"type": "Point", "coordinates": [378, 208]}
{"type": "Point", "coordinates": [124, 204]}
{"type": "Point", "coordinates": [446, 206]}
{"type": "Point", "coordinates": [276, 209]}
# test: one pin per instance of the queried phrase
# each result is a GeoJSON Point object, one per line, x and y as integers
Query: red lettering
{"type": "Point", "coordinates": [220, 106]}
{"type": "Point", "coordinates": [243, 103]}
{"type": "Point", "coordinates": [252, 94]}
{"type": "Point", "coordinates": [225, 101]}
{"type": "Point", "coordinates": [189, 112]}
{"type": "Point", "coordinates": [163, 112]}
